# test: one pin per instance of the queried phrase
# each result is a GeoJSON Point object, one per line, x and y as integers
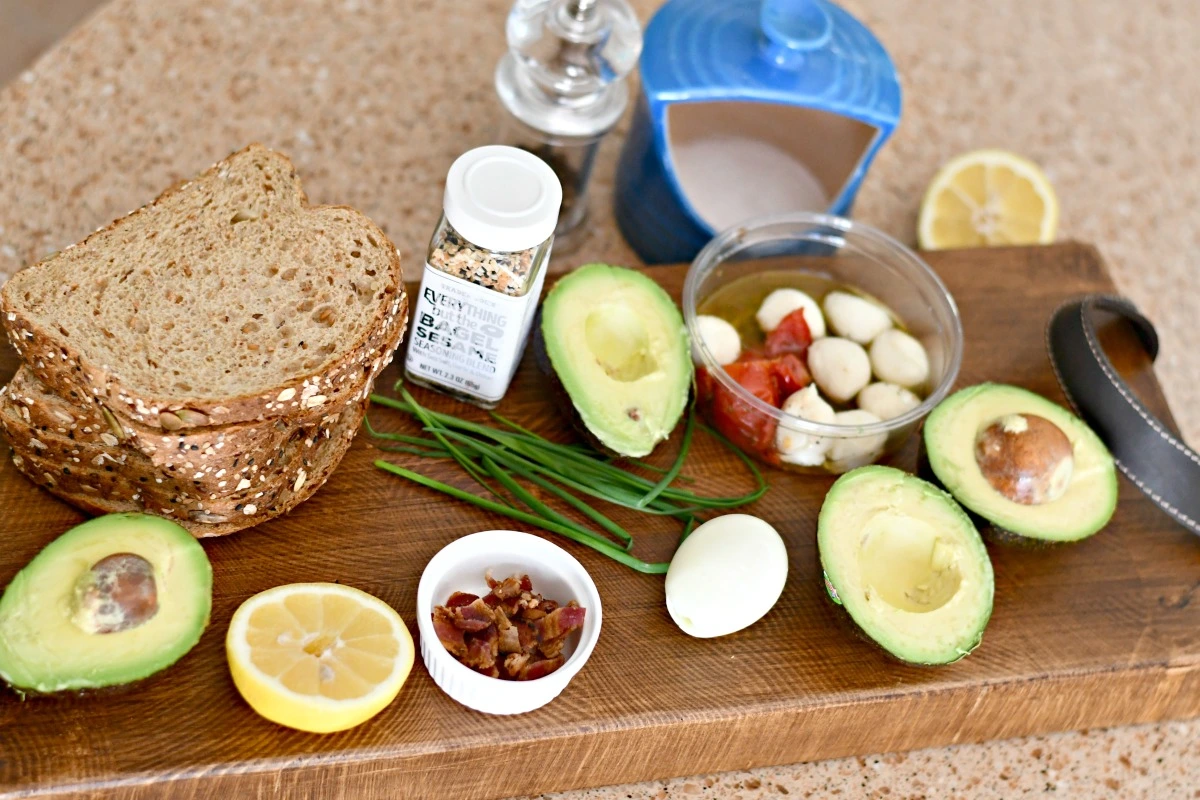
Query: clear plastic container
{"type": "Point", "coordinates": [847, 253]}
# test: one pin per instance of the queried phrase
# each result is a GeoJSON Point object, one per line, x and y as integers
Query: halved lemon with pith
{"type": "Point", "coordinates": [319, 657]}
{"type": "Point", "coordinates": [988, 197]}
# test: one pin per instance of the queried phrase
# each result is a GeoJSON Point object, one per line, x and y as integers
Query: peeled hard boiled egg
{"type": "Point", "coordinates": [781, 302]}
{"type": "Point", "coordinates": [719, 337]}
{"type": "Point", "coordinates": [794, 446]}
{"type": "Point", "coordinates": [726, 575]}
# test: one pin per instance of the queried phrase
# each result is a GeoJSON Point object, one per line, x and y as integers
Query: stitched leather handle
{"type": "Point", "coordinates": [1158, 463]}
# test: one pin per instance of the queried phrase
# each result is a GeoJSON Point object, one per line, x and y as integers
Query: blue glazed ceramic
{"type": "Point", "coordinates": [792, 71]}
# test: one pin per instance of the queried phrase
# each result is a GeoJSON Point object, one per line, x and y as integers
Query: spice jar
{"type": "Point", "coordinates": [484, 274]}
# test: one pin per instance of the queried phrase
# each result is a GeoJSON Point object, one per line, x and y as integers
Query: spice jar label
{"type": "Point", "coordinates": [468, 337]}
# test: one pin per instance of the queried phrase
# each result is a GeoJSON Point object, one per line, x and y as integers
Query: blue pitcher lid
{"type": "Point", "coordinates": [793, 52]}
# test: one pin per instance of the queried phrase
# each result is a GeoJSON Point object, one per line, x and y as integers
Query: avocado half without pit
{"type": "Point", "coordinates": [109, 602]}
{"type": "Point", "coordinates": [904, 561]}
{"type": "Point", "coordinates": [617, 347]}
{"type": "Point", "coordinates": [1029, 467]}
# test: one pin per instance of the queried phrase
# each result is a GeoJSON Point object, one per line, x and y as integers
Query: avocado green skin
{"type": "Point", "coordinates": [993, 531]}
{"type": "Point", "coordinates": [558, 390]}
{"type": "Point", "coordinates": [141, 665]}
{"type": "Point", "coordinates": [843, 616]}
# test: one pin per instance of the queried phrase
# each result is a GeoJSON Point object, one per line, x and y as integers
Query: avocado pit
{"type": "Point", "coordinates": [1026, 458]}
{"type": "Point", "coordinates": [117, 594]}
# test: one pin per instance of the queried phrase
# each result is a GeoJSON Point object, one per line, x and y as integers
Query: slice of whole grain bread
{"type": "Point", "coordinates": [228, 299]}
{"type": "Point", "coordinates": [212, 475]}
{"type": "Point", "coordinates": [100, 491]}
{"type": "Point", "coordinates": [121, 472]}
{"type": "Point", "coordinates": [206, 450]}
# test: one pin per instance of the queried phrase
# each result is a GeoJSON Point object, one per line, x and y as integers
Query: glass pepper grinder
{"type": "Point", "coordinates": [562, 82]}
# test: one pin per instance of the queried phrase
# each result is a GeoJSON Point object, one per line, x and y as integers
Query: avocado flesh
{"type": "Point", "coordinates": [619, 347]}
{"type": "Point", "coordinates": [905, 562]}
{"type": "Point", "coordinates": [1091, 494]}
{"type": "Point", "coordinates": [44, 650]}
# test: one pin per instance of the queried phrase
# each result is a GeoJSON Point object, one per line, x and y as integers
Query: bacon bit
{"type": "Point", "coordinates": [513, 621]}
{"type": "Point", "coordinates": [552, 648]}
{"type": "Point", "coordinates": [510, 640]}
{"type": "Point", "coordinates": [560, 622]}
{"type": "Point", "coordinates": [461, 599]}
{"type": "Point", "coordinates": [509, 587]}
{"type": "Point", "coordinates": [474, 617]}
{"type": "Point", "coordinates": [450, 636]}
{"type": "Point", "coordinates": [514, 663]}
{"type": "Point", "coordinates": [540, 669]}
{"type": "Point", "coordinates": [482, 649]}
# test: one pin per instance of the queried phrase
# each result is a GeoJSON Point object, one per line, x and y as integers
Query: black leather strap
{"type": "Point", "coordinates": [1158, 463]}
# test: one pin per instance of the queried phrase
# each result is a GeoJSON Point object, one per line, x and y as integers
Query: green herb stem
{"type": "Point", "coordinates": [601, 546]}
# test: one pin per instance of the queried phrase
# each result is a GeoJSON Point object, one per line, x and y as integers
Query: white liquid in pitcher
{"type": "Point", "coordinates": [729, 179]}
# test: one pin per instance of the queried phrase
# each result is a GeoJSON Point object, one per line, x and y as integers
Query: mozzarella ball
{"type": "Point", "coordinates": [726, 575]}
{"type": "Point", "coordinates": [887, 400]}
{"type": "Point", "coordinates": [898, 358]}
{"type": "Point", "coordinates": [781, 302]}
{"type": "Point", "coordinates": [840, 367]}
{"type": "Point", "coordinates": [796, 447]}
{"type": "Point", "coordinates": [855, 318]}
{"type": "Point", "coordinates": [848, 453]}
{"type": "Point", "coordinates": [721, 338]}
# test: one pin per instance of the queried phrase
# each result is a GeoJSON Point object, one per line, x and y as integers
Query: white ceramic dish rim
{"type": "Point", "coordinates": [730, 242]}
{"type": "Point", "coordinates": [518, 546]}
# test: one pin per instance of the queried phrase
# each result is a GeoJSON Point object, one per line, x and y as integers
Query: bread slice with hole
{"type": "Point", "coordinates": [228, 299]}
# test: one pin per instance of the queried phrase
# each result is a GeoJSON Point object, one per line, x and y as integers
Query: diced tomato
{"type": "Point", "coordinates": [736, 419]}
{"type": "Point", "coordinates": [791, 336]}
{"type": "Point", "coordinates": [790, 376]}
{"type": "Point", "coordinates": [758, 378]}
{"type": "Point", "coordinates": [771, 380]}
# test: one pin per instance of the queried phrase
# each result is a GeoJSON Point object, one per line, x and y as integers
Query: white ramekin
{"type": "Point", "coordinates": [460, 567]}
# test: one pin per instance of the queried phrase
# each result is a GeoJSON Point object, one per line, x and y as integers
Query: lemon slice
{"type": "Point", "coordinates": [319, 657]}
{"type": "Point", "coordinates": [988, 197]}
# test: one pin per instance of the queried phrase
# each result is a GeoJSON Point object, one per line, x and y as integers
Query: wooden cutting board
{"type": "Point", "coordinates": [1100, 633]}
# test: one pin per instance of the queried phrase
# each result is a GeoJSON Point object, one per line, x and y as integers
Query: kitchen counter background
{"type": "Point", "coordinates": [374, 100]}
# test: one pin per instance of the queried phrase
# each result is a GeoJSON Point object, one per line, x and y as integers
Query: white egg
{"type": "Point", "coordinates": [720, 337]}
{"type": "Point", "coordinates": [781, 302]}
{"type": "Point", "coordinates": [846, 453]}
{"type": "Point", "coordinates": [898, 358]}
{"type": "Point", "coordinates": [854, 317]}
{"type": "Point", "coordinates": [797, 447]}
{"type": "Point", "coordinates": [726, 575]}
{"type": "Point", "coordinates": [840, 367]}
{"type": "Point", "coordinates": [887, 400]}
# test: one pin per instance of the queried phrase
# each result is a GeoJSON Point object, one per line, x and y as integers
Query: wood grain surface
{"type": "Point", "coordinates": [1100, 633]}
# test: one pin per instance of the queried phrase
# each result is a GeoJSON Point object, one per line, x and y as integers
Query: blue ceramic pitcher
{"type": "Point", "coordinates": [749, 107]}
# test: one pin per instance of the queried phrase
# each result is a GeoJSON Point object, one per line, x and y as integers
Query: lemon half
{"type": "Point", "coordinates": [319, 657]}
{"type": "Point", "coordinates": [988, 197]}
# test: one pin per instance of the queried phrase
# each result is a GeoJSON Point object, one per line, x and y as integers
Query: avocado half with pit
{"type": "Point", "coordinates": [619, 348]}
{"type": "Point", "coordinates": [1028, 466]}
{"type": "Point", "coordinates": [109, 602]}
{"type": "Point", "coordinates": [907, 565]}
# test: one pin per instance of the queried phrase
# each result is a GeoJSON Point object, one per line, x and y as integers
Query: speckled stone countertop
{"type": "Point", "coordinates": [374, 100]}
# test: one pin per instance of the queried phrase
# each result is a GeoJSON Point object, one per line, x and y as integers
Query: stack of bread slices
{"type": "Point", "coordinates": [208, 357]}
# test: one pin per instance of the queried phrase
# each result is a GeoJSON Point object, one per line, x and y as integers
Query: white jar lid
{"type": "Point", "coordinates": [502, 198]}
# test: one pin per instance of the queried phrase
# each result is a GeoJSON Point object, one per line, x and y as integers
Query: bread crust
{"type": "Point", "coordinates": [98, 491]}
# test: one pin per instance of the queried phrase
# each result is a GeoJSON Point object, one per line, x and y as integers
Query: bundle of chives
{"type": "Point", "coordinates": [496, 457]}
